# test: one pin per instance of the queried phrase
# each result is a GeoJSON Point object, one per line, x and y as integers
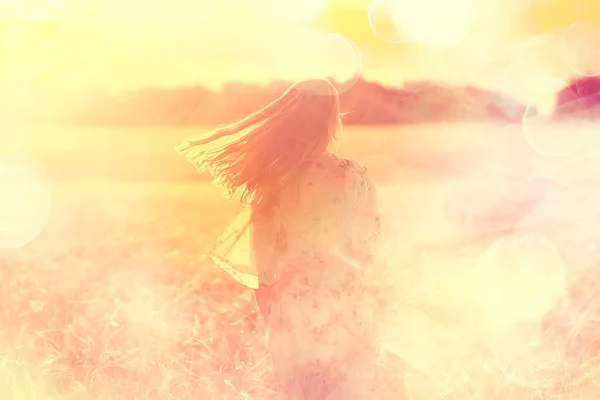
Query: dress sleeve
{"type": "Point", "coordinates": [265, 238]}
{"type": "Point", "coordinates": [363, 227]}
{"type": "Point", "coordinates": [232, 251]}
{"type": "Point", "coordinates": [246, 250]}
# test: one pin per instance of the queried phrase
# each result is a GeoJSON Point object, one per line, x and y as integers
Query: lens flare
{"type": "Point", "coordinates": [549, 136]}
{"type": "Point", "coordinates": [569, 217]}
{"type": "Point", "coordinates": [522, 276]}
{"type": "Point", "coordinates": [552, 138]}
{"type": "Point", "coordinates": [433, 351]}
{"type": "Point", "coordinates": [24, 202]}
{"type": "Point", "coordinates": [381, 22]}
{"type": "Point", "coordinates": [581, 48]}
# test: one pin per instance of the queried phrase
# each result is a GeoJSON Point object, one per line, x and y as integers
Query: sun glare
{"type": "Point", "coordinates": [486, 166]}
{"type": "Point", "coordinates": [433, 22]}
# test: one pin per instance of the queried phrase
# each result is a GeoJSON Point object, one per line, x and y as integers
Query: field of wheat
{"type": "Point", "coordinates": [483, 289]}
{"type": "Point", "coordinates": [114, 300]}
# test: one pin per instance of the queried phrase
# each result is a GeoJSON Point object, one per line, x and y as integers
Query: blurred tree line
{"type": "Point", "coordinates": [370, 103]}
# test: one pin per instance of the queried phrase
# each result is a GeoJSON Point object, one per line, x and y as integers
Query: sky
{"type": "Point", "coordinates": [526, 48]}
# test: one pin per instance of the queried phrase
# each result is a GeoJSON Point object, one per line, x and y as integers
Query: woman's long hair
{"type": "Point", "coordinates": [274, 145]}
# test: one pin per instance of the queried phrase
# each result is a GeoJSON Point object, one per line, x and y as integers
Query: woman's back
{"type": "Point", "coordinates": [329, 210]}
{"type": "Point", "coordinates": [328, 226]}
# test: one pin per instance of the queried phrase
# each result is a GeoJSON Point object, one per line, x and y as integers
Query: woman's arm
{"type": "Point", "coordinates": [264, 233]}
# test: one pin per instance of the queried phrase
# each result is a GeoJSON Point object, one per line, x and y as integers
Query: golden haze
{"type": "Point", "coordinates": [125, 45]}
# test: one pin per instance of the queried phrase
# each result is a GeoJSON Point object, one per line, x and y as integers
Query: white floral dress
{"type": "Point", "coordinates": [309, 251]}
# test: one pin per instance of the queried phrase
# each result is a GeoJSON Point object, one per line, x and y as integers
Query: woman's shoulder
{"type": "Point", "coordinates": [341, 166]}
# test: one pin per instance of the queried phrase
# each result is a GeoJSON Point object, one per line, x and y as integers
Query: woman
{"type": "Point", "coordinates": [311, 224]}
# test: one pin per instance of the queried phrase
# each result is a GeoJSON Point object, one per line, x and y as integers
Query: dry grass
{"type": "Point", "coordinates": [115, 301]}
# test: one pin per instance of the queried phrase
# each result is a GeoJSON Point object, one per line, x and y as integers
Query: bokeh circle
{"type": "Point", "coordinates": [546, 133]}
{"type": "Point", "coordinates": [581, 48]}
{"type": "Point", "coordinates": [521, 277]}
{"type": "Point", "coordinates": [25, 203]}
